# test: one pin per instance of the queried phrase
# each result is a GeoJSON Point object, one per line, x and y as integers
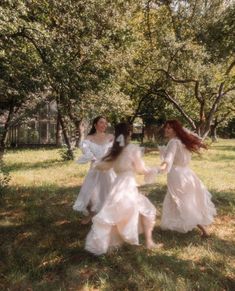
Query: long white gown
{"type": "Point", "coordinates": [187, 202]}
{"type": "Point", "coordinates": [120, 220]}
{"type": "Point", "coordinates": [97, 184]}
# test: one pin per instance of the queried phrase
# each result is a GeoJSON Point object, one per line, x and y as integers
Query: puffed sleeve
{"type": "Point", "coordinates": [140, 167]}
{"type": "Point", "coordinates": [87, 154]}
{"type": "Point", "coordinates": [137, 160]}
{"type": "Point", "coordinates": [170, 152]}
{"type": "Point", "coordinates": [162, 152]}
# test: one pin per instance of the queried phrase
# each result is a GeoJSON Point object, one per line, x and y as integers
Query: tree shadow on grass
{"type": "Point", "coordinates": [224, 148]}
{"type": "Point", "coordinates": [134, 268]}
{"type": "Point", "coordinates": [50, 163]}
{"type": "Point", "coordinates": [224, 201]}
{"type": "Point", "coordinates": [38, 231]}
{"type": "Point", "coordinates": [175, 240]}
{"type": "Point", "coordinates": [154, 192]}
{"type": "Point", "coordinates": [222, 157]}
{"type": "Point", "coordinates": [218, 158]}
{"type": "Point", "coordinates": [42, 247]}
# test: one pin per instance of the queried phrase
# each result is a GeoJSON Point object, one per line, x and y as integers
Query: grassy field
{"type": "Point", "coordinates": [42, 240]}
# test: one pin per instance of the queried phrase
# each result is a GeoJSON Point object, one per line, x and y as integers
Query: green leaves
{"type": "Point", "coordinates": [119, 58]}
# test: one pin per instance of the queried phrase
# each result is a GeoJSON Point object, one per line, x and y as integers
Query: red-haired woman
{"type": "Point", "coordinates": [187, 203]}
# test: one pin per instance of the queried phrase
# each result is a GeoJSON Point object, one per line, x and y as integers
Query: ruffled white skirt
{"type": "Point", "coordinates": [120, 218]}
{"type": "Point", "coordinates": [94, 190]}
{"type": "Point", "coordinates": [187, 202]}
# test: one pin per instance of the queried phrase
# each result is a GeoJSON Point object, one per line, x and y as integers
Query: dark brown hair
{"type": "Point", "coordinates": [94, 122]}
{"type": "Point", "coordinates": [121, 128]}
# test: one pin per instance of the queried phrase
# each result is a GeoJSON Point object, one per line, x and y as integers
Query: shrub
{"type": "Point", "coordinates": [4, 179]}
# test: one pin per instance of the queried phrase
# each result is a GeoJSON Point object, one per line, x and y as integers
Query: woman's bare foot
{"type": "Point", "coordinates": [86, 219]}
{"type": "Point", "coordinates": [151, 245]}
{"type": "Point", "coordinates": [204, 234]}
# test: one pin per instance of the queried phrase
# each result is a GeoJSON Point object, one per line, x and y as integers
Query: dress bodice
{"type": "Point", "coordinates": [176, 154]}
{"type": "Point", "coordinates": [93, 151]}
{"type": "Point", "coordinates": [130, 160]}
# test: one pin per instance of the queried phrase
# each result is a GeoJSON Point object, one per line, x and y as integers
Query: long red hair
{"type": "Point", "coordinates": [192, 142]}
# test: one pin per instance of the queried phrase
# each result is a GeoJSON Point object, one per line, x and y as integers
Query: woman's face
{"type": "Point", "coordinates": [101, 125]}
{"type": "Point", "coordinates": [169, 131]}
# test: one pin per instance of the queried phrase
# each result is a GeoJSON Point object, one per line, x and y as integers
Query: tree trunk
{"type": "Point", "coordinates": [66, 136]}
{"type": "Point", "coordinates": [149, 132]}
{"type": "Point", "coordinates": [58, 133]}
{"type": "Point", "coordinates": [214, 133]}
{"type": "Point", "coordinates": [78, 123]}
{"type": "Point", "coordinates": [79, 132]}
{"type": "Point", "coordinates": [205, 133]}
{"type": "Point", "coordinates": [6, 129]}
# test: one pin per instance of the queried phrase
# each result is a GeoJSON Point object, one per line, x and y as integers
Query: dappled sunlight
{"type": "Point", "coordinates": [7, 222]}
{"type": "Point", "coordinates": [11, 217]}
{"type": "Point", "coordinates": [224, 228]}
{"type": "Point", "coordinates": [42, 238]}
{"type": "Point", "coordinates": [52, 261]}
{"type": "Point", "coordinates": [62, 222]}
{"type": "Point", "coordinates": [57, 177]}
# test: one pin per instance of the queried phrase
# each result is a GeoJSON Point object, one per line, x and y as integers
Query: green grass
{"type": "Point", "coordinates": [42, 240]}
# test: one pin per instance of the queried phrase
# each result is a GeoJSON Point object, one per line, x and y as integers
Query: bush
{"type": "Point", "coordinates": [4, 179]}
{"type": "Point", "coordinates": [66, 154]}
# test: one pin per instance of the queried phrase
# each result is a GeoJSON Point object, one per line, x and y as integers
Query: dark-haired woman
{"type": "Point", "coordinates": [96, 184]}
{"type": "Point", "coordinates": [187, 203]}
{"type": "Point", "coordinates": [125, 212]}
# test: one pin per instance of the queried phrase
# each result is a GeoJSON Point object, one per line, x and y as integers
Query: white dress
{"type": "Point", "coordinates": [120, 219]}
{"type": "Point", "coordinates": [97, 184]}
{"type": "Point", "coordinates": [187, 202]}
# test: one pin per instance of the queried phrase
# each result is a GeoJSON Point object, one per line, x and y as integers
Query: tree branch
{"type": "Point", "coordinates": [174, 55]}
{"type": "Point", "coordinates": [175, 79]}
{"type": "Point", "coordinates": [228, 90]}
{"type": "Point", "coordinates": [137, 109]}
{"type": "Point", "coordinates": [230, 68]}
{"type": "Point", "coordinates": [184, 81]}
{"type": "Point", "coordinates": [22, 33]}
{"type": "Point", "coordinates": [40, 52]}
{"type": "Point", "coordinates": [180, 109]}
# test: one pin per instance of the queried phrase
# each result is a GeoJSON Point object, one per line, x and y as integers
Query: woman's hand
{"type": "Point", "coordinates": [163, 167]}
{"type": "Point", "coordinates": [82, 129]}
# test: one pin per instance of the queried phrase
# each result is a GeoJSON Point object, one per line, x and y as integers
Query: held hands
{"type": "Point", "coordinates": [163, 167]}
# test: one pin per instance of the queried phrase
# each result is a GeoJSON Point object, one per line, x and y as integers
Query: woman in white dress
{"type": "Point", "coordinates": [187, 203]}
{"type": "Point", "coordinates": [126, 212]}
{"type": "Point", "coordinates": [97, 184]}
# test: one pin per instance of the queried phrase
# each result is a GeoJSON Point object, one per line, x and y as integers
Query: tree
{"type": "Point", "coordinates": [21, 77]}
{"type": "Point", "coordinates": [177, 64]}
{"type": "Point", "coordinates": [76, 47]}
{"type": "Point", "coordinates": [223, 116]}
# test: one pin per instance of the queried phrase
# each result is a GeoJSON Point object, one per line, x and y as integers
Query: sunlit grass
{"type": "Point", "coordinates": [42, 241]}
